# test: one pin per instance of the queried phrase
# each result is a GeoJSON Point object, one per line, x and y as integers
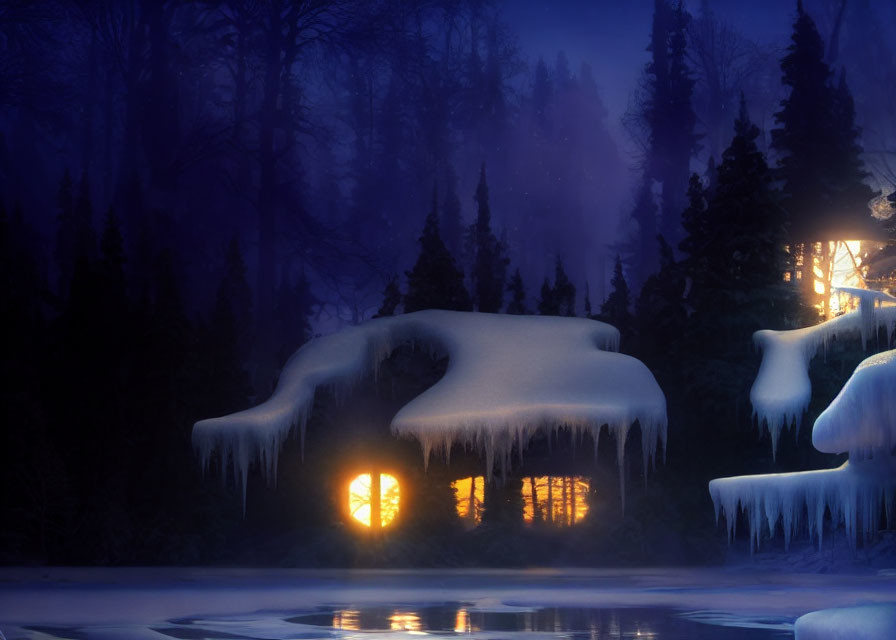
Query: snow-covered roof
{"type": "Point", "coordinates": [782, 390]}
{"type": "Point", "coordinates": [862, 417]}
{"type": "Point", "coordinates": [508, 377]}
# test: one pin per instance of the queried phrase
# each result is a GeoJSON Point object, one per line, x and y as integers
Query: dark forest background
{"type": "Point", "coordinates": [190, 190]}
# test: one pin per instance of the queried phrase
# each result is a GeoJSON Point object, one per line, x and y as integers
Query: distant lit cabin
{"type": "Point", "coordinates": [844, 252]}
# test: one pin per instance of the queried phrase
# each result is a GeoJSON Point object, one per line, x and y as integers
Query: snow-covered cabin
{"type": "Point", "coordinates": [509, 381]}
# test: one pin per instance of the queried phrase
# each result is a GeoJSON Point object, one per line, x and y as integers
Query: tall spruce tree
{"type": "Point", "coordinates": [820, 164]}
{"type": "Point", "coordinates": [391, 299]}
{"type": "Point", "coordinates": [547, 301]}
{"type": "Point", "coordinates": [564, 290]}
{"type": "Point", "coordinates": [517, 303]}
{"type": "Point", "coordinates": [558, 299]}
{"type": "Point", "coordinates": [676, 121]}
{"type": "Point", "coordinates": [435, 282]}
{"type": "Point", "coordinates": [615, 309]}
{"type": "Point", "coordinates": [669, 116]}
{"type": "Point", "coordinates": [451, 223]}
{"type": "Point", "coordinates": [490, 263]}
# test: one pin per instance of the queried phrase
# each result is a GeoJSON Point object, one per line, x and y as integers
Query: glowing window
{"type": "Point", "coordinates": [363, 501]}
{"type": "Point", "coordinates": [560, 500]}
{"type": "Point", "coordinates": [470, 496]}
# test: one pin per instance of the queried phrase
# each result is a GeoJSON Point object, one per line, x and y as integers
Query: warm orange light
{"type": "Point", "coordinates": [348, 620]}
{"type": "Point", "coordinates": [561, 500]}
{"type": "Point", "coordinates": [461, 621]}
{"type": "Point", "coordinates": [361, 499]}
{"type": "Point", "coordinates": [404, 621]}
{"type": "Point", "coordinates": [470, 496]}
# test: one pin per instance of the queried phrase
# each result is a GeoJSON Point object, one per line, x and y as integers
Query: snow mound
{"type": "Point", "coordinates": [854, 494]}
{"type": "Point", "coordinates": [508, 377]}
{"type": "Point", "coordinates": [782, 390]}
{"type": "Point", "coordinates": [862, 418]}
{"type": "Point", "coordinates": [869, 622]}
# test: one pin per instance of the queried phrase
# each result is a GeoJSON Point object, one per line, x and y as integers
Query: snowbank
{"type": "Point", "coordinates": [508, 377]}
{"type": "Point", "coordinates": [871, 622]}
{"type": "Point", "coordinates": [862, 418]}
{"type": "Point", "coordinates": [782, 390]}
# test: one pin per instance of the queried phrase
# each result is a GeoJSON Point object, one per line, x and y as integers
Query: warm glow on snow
{"type": "Point", "coordinates": [361, 501]}
{"type": "Point", "coordinates": [470, 496]}
{"type": "Point", "coordinates": [561, 500]}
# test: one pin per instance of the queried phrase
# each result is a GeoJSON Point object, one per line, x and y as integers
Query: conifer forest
{"type": "Point", "coordinates": [192, 190]}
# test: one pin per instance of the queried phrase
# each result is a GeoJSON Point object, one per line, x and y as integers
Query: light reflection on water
{"type": "Point", "coordinates": [565, 623]}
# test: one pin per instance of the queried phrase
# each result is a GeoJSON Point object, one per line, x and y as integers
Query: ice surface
{"type": "Point", "coordinates": [861, 420]}
{"type": "Point", "coordinates": [870, 622]}
{"type": "Point", "coordinates": [185, 602]}
{"type": "Point", "coordinates": [854, 494]}
{"type": "Point", "coordinates": [508, 377]}
{"type": "Point", "coordinates": [782, 390]}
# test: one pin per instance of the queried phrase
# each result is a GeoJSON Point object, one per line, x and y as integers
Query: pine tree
{"type": "Point", "coordinates": [749, 223]}
{"type": "Point", "coordinates": [615, 309]}
{"type": "Point", "coordinates": [735, 242]}
{"type": "Point", "coordinates": [817, 140]}
{"type": "Point", "coordinates": [490, 263]}
{"type": "Point", "coordinates": [435, 282]}
{"type": "Point", "coordinates": [587, 302]}
{"type": "Point", "coordinates": [391, 299]}
{"type": "Point", "coordinates": [547, 301]}
{"type": "Point", "coordinates": [696, 243]}
{"type": "Point", "coordinates": [660, 312]}
{"type": "Point", "coordinates": [678, 120]}
{"type": "Point", "coordinates": [564, 291]}
{"type": "Point", "coordinates": [558, 299]}
{"type": "Point", "coordinates": [517, 303]}
{"type": "Point", "coordinates": [643, 251]}
{"type": "Point", "coordinates": [451, 224]}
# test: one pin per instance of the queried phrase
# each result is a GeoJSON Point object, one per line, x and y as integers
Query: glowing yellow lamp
{"type": "Point", "coordinates": [362, 503]}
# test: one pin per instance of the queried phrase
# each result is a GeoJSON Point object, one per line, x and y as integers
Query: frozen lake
{"type": "Point", "coordinates": [532, 604]}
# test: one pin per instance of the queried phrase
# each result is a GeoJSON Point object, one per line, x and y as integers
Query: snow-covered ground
{"type": "Point", "coordinates": [260, 603]}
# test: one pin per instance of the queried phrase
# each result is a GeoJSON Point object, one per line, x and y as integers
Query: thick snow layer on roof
{"type": "Point", "coordinates": [507, 378]}
{"type": "Point", "coordinates": [861, 420]}
{"type": "Point", "coordinates": [782, 390]}
{"type": "Point", "coordinates": [869, 622]}
{"type": "Point", "coordinates": [853, 493]}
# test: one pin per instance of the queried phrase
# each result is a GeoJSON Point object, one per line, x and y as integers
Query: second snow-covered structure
{"type": "Point", "coordinates": [860, 421]}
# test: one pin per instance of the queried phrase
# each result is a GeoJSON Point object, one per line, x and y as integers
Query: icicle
{"type": "Point", "coordinates": [508, 378]}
